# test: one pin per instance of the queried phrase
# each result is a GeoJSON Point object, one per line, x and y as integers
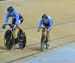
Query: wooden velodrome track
{"type": "Point", "coordinates": [63, 32]}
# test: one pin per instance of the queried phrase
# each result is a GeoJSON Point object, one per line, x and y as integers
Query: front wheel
{"type": "Point", "coordinates": [8, 41]}
{"type": "Point", "coordinates": [42, 41]}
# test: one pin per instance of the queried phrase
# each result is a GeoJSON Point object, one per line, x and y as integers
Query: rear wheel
{"type": "Point", "coordinates": [21, 40]}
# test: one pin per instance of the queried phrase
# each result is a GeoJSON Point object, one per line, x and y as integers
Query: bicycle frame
{"type": "Point", "coordinates": [13, 30]}
{"type": "Point", "coordinates": [44, 40]}
{"type": "Point", "coordinates": [11, 38]}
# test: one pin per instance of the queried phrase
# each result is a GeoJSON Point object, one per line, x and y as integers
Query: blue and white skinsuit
{"type": "Point", "coordinates": [48, 23]}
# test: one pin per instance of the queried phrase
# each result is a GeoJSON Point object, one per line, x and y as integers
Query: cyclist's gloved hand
{"type": "Point", "coordinates": [3, 26]}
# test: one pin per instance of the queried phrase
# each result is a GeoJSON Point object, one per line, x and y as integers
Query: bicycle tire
{"type": "Point", "coordinates": [22, 41]}
{"type": "Point", "coordinates": [42, 41]}
{"type": "Point", "coordinates": [8, 40]}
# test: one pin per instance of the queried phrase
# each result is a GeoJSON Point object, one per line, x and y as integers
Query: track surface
{"type": "Point", "coordinates": [63, 55]}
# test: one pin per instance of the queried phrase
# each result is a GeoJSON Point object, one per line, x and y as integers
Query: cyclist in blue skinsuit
{"type": "Point", "coordinates": [17, 19]}
{"type": "Point", "coordinates": [45, 22]}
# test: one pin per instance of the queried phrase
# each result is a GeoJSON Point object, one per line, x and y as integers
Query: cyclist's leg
{"type": "Point", "coordinates": [43, 29]}
{"type": "Point", "coordinates": [42, 37]}
{"type": "Point", "coordinates": [13, 21]}
{"type": "Point", "coordinates": [48, 36]}
{"type": "Point", "coordinates": [19, 25]}
{"type": "Point", "coordinates": [14, 29]}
